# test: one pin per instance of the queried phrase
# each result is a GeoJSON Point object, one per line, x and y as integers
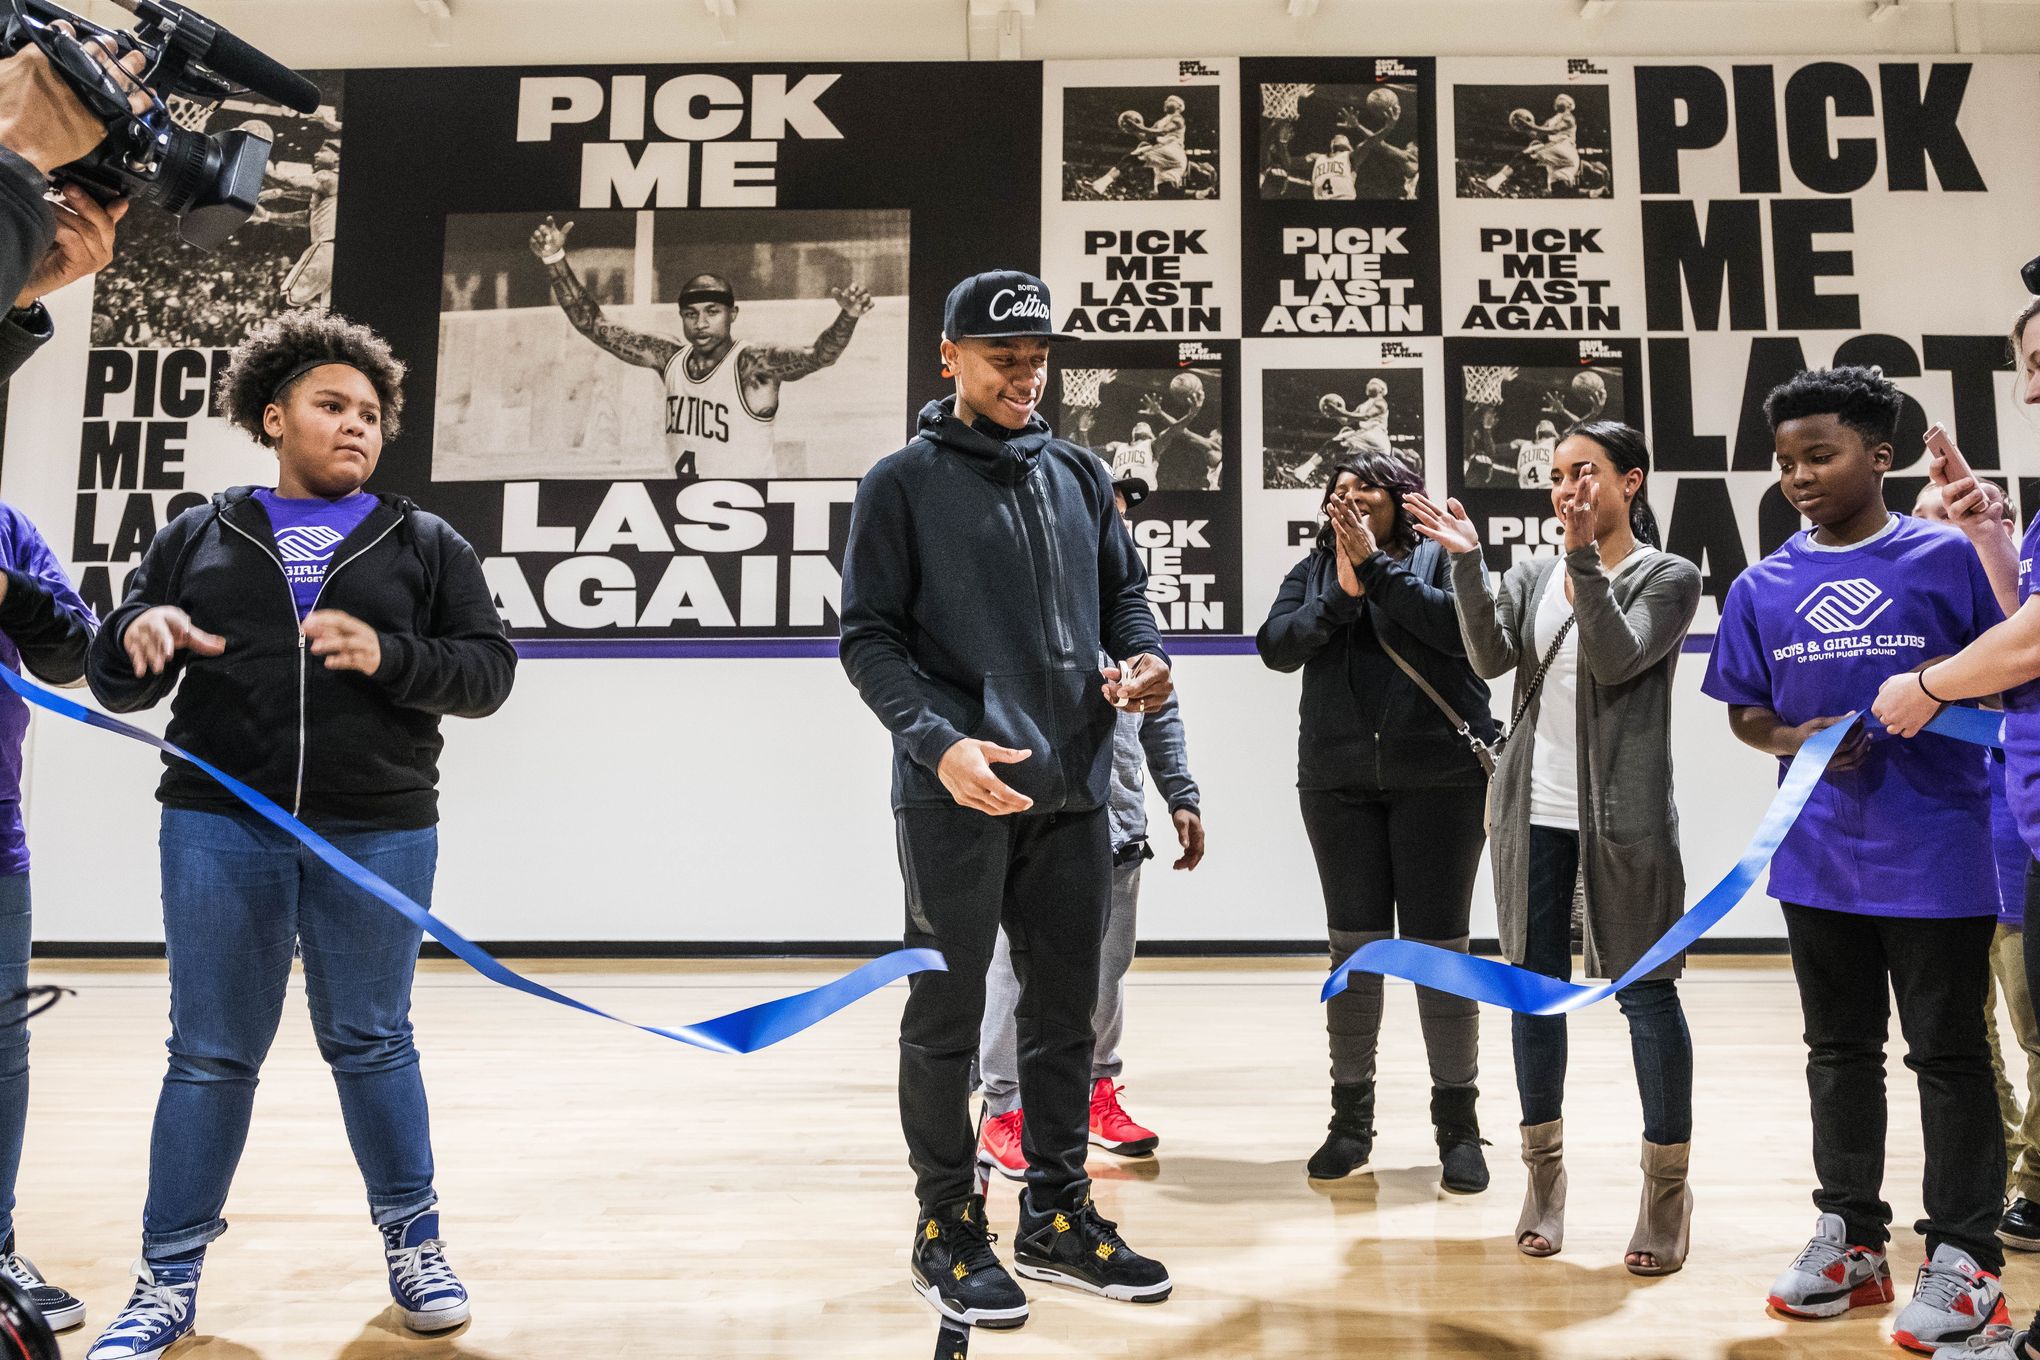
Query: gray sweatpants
{"type": "Point", "coordinates": [998, 1040]}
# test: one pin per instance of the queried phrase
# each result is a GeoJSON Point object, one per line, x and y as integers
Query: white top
{"type": "Point", "coordinates": [1555, 759]}
{"type": "Point", "coordinates": [710, 419]}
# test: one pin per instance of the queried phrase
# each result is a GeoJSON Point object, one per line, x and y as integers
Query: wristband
{"type": "Point", "coordinates": [1921, 676]}
{"type": "Point", "coordinates": [553, 258]}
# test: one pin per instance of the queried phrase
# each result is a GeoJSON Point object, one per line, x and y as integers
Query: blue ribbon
{"type": "Point", "coordinates": [744, 1031]}
{"type": "Point", "coordinates": [1518, 989]}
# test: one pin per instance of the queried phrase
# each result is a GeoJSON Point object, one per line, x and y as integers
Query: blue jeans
{"type": "Point", "coordinates": [1659, 1044]}
{"type": "Point", "coordinates": [14, 938]}
{"type": "Point", "coordinates": [238, 897]}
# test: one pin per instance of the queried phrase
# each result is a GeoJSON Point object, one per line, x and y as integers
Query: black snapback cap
{"type": "Point", "coordinates": [1000, 304]}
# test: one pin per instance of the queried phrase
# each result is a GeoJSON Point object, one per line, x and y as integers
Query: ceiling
{"type": "Point", "coordinates": [310, 33]}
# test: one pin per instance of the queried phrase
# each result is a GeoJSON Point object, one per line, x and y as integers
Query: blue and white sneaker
{"type": "Point", "coordinates": [424, 1286]}
{"type": "Point", "coordinates": [60, 1309]}
{"type": "Point", "coordinates": [160, 1313]}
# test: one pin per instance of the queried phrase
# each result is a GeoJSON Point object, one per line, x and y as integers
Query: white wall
{"type": "Point", "coordinates": [745, 800]}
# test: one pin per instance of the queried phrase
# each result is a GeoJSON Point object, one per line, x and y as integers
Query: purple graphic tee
{"type": "Point", "coordinates": [22, 549]}
{"type": "Point", "coordinates": [1810, 632]}
{"type": "Point", "coordinates": [307, 531]}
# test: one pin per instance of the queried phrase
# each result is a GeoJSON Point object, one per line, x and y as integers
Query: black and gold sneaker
{"type": "Point", "coordinates": [1082, 1248]}
{"type": "Point", "coordinates": [956, 1270]}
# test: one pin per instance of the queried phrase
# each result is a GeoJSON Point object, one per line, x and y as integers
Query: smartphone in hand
{"type": "Point", "coordinates": [1949, 466]}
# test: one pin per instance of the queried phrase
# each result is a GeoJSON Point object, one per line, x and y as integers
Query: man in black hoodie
{"type": "Point", "coordinates": [986, 570]}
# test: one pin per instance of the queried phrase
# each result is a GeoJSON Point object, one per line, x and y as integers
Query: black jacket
{"type": "Point", "coordinates": [340, 749]}
{"type": "Point", "coordinates": [984, 574]}
{"type": "Point", "coordinates": [1365, 724]}
{"type": "Point", "coordinates": [27, 226]}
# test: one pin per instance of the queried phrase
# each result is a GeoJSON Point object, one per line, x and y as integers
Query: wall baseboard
{"type": "Point", "coordinates": [831, 949]}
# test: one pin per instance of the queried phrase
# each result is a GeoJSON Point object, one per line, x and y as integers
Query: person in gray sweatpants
{"type": "Point", "coordinates": [1140, 743]}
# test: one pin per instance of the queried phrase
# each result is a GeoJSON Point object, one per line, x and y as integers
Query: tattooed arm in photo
{"type": "Point", "coordinates": [769, 365]}
{"type": "Point", "coordinates": [549, 243]}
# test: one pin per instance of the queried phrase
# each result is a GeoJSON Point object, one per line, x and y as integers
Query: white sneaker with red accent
{"type": "Point", "coordinates": [999, 1145]}
{"type": "Point", "coordinates": [1954, 1299]}
{"type": "Point", "coordinates": [1830, 1277]}
{"type": "Point", "coordinates": [1112, 1128]}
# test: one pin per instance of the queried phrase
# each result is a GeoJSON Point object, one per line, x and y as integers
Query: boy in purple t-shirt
{"type": "Point", "coordinates": [1806, 636]}
{"type": "Point", "coordinates": [44, 628]}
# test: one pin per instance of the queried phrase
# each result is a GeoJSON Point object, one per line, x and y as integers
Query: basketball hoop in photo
{"type": "Point", "coordinates": [1483, 384]}
{"type": "Point", "coordinates": [1280, 101]}
{"type": "Point", "coordinates": [1081, 386]}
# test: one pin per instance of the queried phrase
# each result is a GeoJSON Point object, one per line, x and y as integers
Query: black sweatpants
{"type": "Point", "coordinates": [1047, 878]}
{"type": "Point", "coordinates": [1940, 972]}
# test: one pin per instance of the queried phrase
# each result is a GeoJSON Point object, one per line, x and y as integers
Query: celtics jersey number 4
{"type": "Point", "coordinates": [710, 431]}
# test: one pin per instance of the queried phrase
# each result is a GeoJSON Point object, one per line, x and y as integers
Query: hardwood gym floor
{"type": "Point", "coordinates": [608, 1194]}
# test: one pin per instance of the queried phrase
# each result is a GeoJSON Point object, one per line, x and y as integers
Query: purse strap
{"type": "Point", "coordinates": [1537, 680]}
{"type": "Point", "coordinates": [1451, 714]}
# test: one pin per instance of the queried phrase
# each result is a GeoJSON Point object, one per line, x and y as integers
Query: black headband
{"type": "Point", "coordinates": [722, 295]}
{"type": "Point", "coordinates": [276, 395]}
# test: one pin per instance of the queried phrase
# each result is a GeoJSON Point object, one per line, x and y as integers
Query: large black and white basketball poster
{"type": "Point", "coordinates": [1508, 404]}
{"type": "Point", "coordinates": [1357, 255]}
{"type": "Point", "coordinates": [651, 425]}
{"type": "Point", "coordinates": [1139, 205]}
{"type": "Point", "coordinates": [1168, 415]}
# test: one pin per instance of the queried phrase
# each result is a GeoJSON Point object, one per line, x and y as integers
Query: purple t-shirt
{"type": "Point", "coordinates": [22, 549]}
{"type": "Point", "coordinates": [307, 530]}
{"type": "Point", "coordinates": [2009, 846]}
{"type": "Point", "coordinates": [1812, 631]}
{"type": "Point", "coordinates": [2022, 721]}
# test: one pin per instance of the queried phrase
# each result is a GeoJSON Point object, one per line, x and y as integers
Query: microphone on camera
{"type": "Point", "coordinates": [231, 58]}
{"type": "Point", "coordinates": [2030, 275]}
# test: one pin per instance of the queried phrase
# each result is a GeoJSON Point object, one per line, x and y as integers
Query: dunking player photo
{"type": "Point", "coordinates": [1158, 425]}
{"type": "Point", "coordinates": [1517, 155]}
{"type": "Point", "coordinates": [1117, 143]}
{"type": "Point", "coordinates": [1315, 419]}
{"type": "Point", "coordinates": [296, 194]}
{"type": "Point", "coordinates": [1368, 136]}
{"type": "Point", "coordinates": [721, 393]}
{"type": "Point", "coordinates": [162, 293]}
{"type": "Point", "coordinates": [1514, 416]}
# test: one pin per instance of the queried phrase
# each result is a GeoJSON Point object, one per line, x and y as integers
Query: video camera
{"type": "Point", "coordinates": [209, 183]}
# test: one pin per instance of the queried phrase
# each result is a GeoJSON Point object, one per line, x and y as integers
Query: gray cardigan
{"type": "Point", "coordinates": [1629, 634]}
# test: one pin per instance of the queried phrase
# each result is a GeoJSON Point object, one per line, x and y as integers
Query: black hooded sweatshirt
{"type": "Point", "coordinates": [342, 750]}
{"type": "Point", "coordinates": [985, 572]}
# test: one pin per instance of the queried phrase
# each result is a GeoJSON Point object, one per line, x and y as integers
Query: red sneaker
{"type": "Point", "coordinates": [999, 1145]}
{"type": "Point", "coordinates": [1112, 1128]}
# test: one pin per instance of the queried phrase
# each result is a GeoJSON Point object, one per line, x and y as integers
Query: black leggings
{"type": "Point", "coordinates": [1398, 862]}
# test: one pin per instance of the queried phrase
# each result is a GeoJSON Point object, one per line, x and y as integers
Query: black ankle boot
{"type": "Point", "coordinates": [1351, 1138]}
{"type": "Point", "coordinates": [1459, 1143]}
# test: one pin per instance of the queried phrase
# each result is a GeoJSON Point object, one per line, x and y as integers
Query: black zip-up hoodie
{"type": "Point", "coordinates": [986, 569]}
{"type": "Point", "coordinates": [1364, 724]}
{"type": "Point", "coordinates": [342, 750]}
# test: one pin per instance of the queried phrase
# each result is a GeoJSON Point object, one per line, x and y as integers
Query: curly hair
{"type": "Point", "coordinates": [261, 363]}
{"type": "Point", "coordinates": [1387, 471]}
{"type": "Point", "coordinates": [1861, 398]}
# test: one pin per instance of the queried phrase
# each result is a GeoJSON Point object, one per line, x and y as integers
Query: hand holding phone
{"type": "Point", "coordinates": [1947, 465]}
